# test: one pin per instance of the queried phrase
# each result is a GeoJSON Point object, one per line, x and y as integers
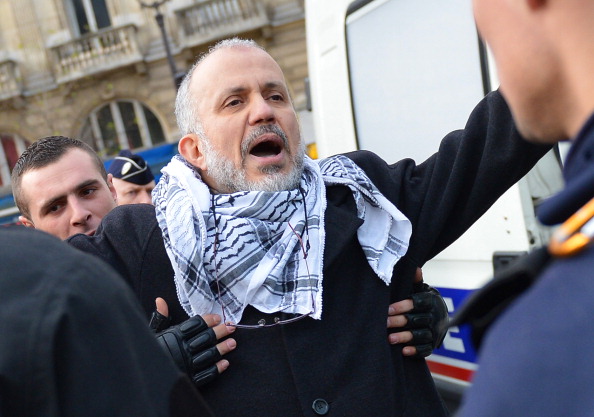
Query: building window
{"type": "Point", "coordinates": [12, 146]}
{"type": "Point", "coordinates": [88, 15]}
{"type": "Point", "coordinates": [122, 124]}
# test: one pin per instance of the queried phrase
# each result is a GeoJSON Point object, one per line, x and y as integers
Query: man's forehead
{"type": "Point", "coordinates": [71, 171]}
{"type": "Point", "coordinates": [226, 68]}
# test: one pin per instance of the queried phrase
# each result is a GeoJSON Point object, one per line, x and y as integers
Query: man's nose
{"type": "Point", "coordinates": [80, 214]}
{"type": "Point", "coordinates": [261, 111]}
{"type": "Point", "coordinates": [145, 197]}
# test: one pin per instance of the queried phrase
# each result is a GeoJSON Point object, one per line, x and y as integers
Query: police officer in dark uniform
{"type": "Point", "coordinates": [534, 324]}
{"type": "Point", "coordinates": [132, 178]}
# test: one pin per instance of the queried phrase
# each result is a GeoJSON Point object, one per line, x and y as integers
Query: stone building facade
{"type": "Point", "coordinates": [98, 70]}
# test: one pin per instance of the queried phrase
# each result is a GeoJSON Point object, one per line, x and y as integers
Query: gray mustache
{"type": "Point", "coordinates": [259, 131]}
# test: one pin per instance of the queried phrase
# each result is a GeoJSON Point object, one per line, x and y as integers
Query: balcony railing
{"type": "Point", "coordinates": [95, 52]}
{"type": "Point", "coordinates": [10, 83]}
{"type": "Point", "coordinates": [213, 19]}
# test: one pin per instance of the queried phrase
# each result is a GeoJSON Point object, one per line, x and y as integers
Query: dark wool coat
{"type": "Point", "coordinates": [545, 368]}
{"type": "Point", "coordinates": [73, 341]}
{"type": "Point", "coordinates": [342, 365]}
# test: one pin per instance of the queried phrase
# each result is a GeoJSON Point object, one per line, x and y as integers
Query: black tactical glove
{"type": "Point", "coordinates": [158, 322]}
{"type": "Point", "coordinates": [428, 319]}
{"type": "Point", "coordinates": [192, 345]}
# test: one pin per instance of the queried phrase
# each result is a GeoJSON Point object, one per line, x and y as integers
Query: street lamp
{"type": "Point", "coordinates": [177, 75]}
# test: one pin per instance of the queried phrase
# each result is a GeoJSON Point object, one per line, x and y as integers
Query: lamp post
{"type": "Point", "coordinates": [177, 75]}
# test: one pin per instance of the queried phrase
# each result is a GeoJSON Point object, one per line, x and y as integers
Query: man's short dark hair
{"type": "Point", "coordinates": [42, 153]}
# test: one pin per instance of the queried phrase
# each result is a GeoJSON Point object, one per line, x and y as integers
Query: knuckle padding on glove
{"type": "Point", "coordinates": [205, 358]}
{"type": "Point", "coordinates": [424, 350]}
{"type": "Point", "coordinates": [416, 320]}
{"type": "Point", "coordinates": [193, 326]}
{"type": "Point", "coordinates": [202, 340]}
{"type": "Point", "coordinates": [421, 336]}
{"type": "Point", "coordinates": [422, 301]}
{"type": "Point", "coordinates": [206, 376]}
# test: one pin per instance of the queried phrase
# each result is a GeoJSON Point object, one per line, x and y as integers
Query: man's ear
{"type": "Point", "coordinates": [190, 147]}
{"type": "Point", "coordinates": [111, 187]}
{"type": "Point", "coordinates": [26, 222]}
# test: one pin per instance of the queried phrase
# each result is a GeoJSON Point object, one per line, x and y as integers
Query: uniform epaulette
{"type": "Point", "coordinates": [575, 233]}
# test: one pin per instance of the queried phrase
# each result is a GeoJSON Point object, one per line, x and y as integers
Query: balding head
{"type": "Point", "coordinates": [240, 127]}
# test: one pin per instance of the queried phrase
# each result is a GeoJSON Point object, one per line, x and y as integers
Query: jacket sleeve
{"type": "Point", "coordinates": [107, 360]}
{"type": "Point", "coordinates": [447, 193]}
{"type": "Point", "coordinates": [129, 239]}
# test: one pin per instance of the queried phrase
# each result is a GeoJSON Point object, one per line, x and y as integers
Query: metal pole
{"type": "Point", "coordinates": [177, 76]}
{"type": "Point", "coordinates": [161, 23]}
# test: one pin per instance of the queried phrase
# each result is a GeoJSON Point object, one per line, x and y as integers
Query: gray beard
{"type": "Point", "coordinates": [231, 179]}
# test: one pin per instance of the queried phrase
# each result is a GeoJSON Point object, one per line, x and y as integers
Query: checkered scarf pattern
{"type": "Point", "coordinates": [259, 258]}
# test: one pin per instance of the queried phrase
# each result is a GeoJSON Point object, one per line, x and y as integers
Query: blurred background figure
{"type": "Point", "coordinates": [132, 178]}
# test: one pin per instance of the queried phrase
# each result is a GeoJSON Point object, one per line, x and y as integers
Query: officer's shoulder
{"type": "Point", "coordinates": [135, 219]}
{"type": "Point", "coordinates": [132, 211]}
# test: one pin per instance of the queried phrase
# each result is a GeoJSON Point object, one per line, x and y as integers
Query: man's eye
{"type": "Point", "coordinates": [88, 191]}
{"type": "Point", "coordinates": [54, 208]}
{"type": "Point", "coordinates": [234, 103]}
{"type": "Point", "coordinates": [276, 97]}
{"type": "Point", "coordinates": [132, 193]}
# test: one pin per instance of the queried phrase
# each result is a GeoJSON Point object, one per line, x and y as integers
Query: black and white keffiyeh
{"type": "Point", "coordinates": [259, 258]}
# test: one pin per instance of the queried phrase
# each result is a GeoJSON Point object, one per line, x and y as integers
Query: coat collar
{"type": "Point", "coordinates": [579, 179]}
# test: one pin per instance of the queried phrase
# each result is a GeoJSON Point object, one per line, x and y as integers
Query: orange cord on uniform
{"type": "Point", "coordinates": [575, 234]}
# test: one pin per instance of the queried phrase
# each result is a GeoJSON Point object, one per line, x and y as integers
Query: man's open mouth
{"type": "Point", "coordinates": [270, 146]}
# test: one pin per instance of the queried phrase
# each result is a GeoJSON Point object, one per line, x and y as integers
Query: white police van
{"type": "Point", "coordinates": [393, 77]}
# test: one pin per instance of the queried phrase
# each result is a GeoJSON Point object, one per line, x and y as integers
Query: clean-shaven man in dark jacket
{"type": "Point", "coordinates": [260, 234]}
